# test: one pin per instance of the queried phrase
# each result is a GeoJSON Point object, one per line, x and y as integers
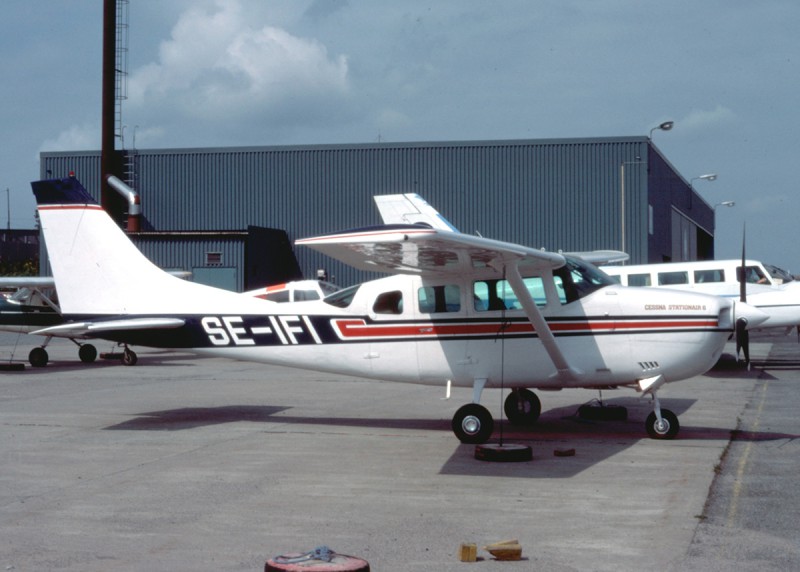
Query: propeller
{"type": "Point", "coordinates": [742, 334]}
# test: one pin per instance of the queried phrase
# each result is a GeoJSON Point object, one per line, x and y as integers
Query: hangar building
{"type": "Point", "coordinates": [221, 213]}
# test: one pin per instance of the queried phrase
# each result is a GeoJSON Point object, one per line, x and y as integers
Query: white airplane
{"type": "Point", "coordinates": [33, 306]}
{"type": "Point", "coordinates": [456, 310]}
{"type": "Point", "coordinates": [779, 301]}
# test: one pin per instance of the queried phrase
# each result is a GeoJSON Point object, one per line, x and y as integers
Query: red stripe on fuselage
{"type": "Point", "coordinates": [357, 328]}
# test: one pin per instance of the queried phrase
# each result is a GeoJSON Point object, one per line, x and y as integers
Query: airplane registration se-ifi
{"type": "Point", "coordinates": [456, 309]}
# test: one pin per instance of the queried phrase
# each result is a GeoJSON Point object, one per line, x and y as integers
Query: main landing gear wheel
{"type": "Point", "coordinates": [473, 424]}
{"type": "Point", "coordinates": [129, 357]}
{"type": "Point", "coordinates": [87, 353]}
{"type": "Point", "coordinates": [666, 429]}
{"type": "Point", "coordinates": [522, 407]}
{"type": "Point", "coordinates": [38, 357]}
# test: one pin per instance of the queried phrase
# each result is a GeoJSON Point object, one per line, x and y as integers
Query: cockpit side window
{"type": "Point", "coordinates": [579, 279]}
{"type": "Point", "coordinates": [495, 294]}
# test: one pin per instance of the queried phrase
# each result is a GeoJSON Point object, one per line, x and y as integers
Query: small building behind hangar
{"type": "Point", "coordinates": [219, 212]}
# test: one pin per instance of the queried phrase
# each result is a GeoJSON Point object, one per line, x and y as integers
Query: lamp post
{"type": "Point", "coordinates": [708, 177]}
{"type": "Point", "coordinates": [724, 204]}
{"type": "Point", "coordinates": [666, 126]}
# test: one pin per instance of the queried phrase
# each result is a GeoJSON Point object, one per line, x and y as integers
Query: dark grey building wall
{"type": "Point", "coordinates": [557, 194]}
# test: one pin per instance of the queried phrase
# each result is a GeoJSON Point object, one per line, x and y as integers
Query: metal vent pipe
{"type": "Point", "coordinates": [134, 202]}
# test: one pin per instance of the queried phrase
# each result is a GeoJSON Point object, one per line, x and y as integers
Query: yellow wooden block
{"type": "Point", "coordinates": [468, 552]}
{"type": "Point", "coordinates": [505, 550]}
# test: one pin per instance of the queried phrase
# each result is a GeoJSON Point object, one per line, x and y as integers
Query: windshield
{"type": "Point", "coordinates": [580, 279]}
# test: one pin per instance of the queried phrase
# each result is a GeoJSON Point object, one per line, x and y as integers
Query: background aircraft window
{"type": "Point", "coordinates": [282, 296]}
{"type": "Point", "coordinates": [639, 280]}
{"type": "Point", "coordinates": [302, 295]}
{"type": "Point", "coordinates": [389, 303]}
{"type": "Point", "coordinates": [707, 276]}
{"type": "Point", "coordinates": [439, 299]}
{"type": "Point", "coordinates": [753, 273]}
{"type": "Point", "coordinates": [672, 278]}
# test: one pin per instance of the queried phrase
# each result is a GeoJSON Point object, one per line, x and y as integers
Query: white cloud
{"type": "Point", "coordinates": [698, 119]}
{"type": "Point", "coordinates": [75, 138]}
{"type": "Point", "coordinates": [219, 65]}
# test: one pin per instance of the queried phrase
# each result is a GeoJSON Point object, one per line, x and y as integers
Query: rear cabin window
{"type": "Point", "coordinates": [672, 278]}
{"type": "Point", "coordinates": [639, 280]}
{"type": "Point", "coordinates": [436, 299]}
{"type": "Point", "coordinates": [389, 303]}
{"type": "Point", "coordinates": [709, 276]}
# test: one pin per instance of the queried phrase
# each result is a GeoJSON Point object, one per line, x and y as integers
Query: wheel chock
{"type": "Point", "coordinates": [505, 550]}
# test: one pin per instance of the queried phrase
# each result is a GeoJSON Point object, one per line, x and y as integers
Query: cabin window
{"type": "Point", "coordinates": [304, 295]}
{"type": "Point", "coordinates": [672, 278]}
{"type": "Point", "coordinates": [389, 303]}
{"type": "Point", "coordinates": [434, 299]}
{"type": "Point", "coordinates": [489, 295]}
{"type": "Point", "coordinates": [709, 276]}
{"type": "Point", "coordinates": [639, 280]}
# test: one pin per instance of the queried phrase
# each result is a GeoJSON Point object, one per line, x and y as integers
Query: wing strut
{"type": "Point", "coordinates": [565, 371]}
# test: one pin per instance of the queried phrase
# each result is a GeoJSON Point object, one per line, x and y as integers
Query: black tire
{"type": "Point", "coordinates": [473, 424]}
{"type": "Point", "coordinates": [522, 407]}
{"type": "Point", "coordinates": [670, 428]}
{"type": "Point", "coordinates": [38, 357]}
{"type": "Point", "coordinates": [129, 357]}
{"type": "Point", "coordinates": [87, 353]}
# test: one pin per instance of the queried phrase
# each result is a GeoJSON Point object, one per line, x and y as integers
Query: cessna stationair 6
{"type": "Point", "coordinates": [456, 310]}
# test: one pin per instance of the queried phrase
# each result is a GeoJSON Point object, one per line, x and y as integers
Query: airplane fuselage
{"type": "Point", "coordinates": [615, 336]}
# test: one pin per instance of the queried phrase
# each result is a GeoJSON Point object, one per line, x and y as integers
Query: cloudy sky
{"type": "Point", "coordinates": [206, 73]}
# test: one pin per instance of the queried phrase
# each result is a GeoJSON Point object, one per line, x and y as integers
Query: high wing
{"type": "Point", "coordinates": [411, 249]}
{"type": "Point", "coordinates": [410, 208]}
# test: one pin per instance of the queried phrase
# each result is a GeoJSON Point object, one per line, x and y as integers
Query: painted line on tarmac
{"type": "Point", "coordinates": [742, 467]}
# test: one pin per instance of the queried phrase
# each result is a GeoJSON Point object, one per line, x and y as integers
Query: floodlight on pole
{"type": "Point", "coordinates": [708, 177]}
{"type": "Point", "coordinates": [666, 126]}
{"type": "Point", "coordinates": [724, 204]}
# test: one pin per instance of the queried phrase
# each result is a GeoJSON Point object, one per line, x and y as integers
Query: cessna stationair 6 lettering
{"type": "Point", "coordinates": [457, 309]}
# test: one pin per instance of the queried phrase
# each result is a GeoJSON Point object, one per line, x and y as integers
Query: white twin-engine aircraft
{"type": "Point", "coordinates": [457, 309]}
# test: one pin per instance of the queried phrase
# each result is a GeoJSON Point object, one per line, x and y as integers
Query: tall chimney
{"type": "Point", "coordinates": [109, 80]}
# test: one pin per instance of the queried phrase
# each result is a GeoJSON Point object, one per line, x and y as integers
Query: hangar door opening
{"type": "Point", "coordinates": [689, 241]}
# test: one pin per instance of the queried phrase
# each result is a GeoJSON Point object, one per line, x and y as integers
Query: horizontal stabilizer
{"type": "Point", "coordinates": [128, 324]}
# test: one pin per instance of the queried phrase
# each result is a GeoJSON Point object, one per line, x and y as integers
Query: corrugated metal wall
{"type": "Point", "coordinates": [557, 194]}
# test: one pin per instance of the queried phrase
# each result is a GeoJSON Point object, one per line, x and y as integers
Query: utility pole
{"type": "Point", "coordinates": [8, 205]}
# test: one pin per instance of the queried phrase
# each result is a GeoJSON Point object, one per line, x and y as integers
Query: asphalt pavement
{"type": "Point", "coordinates": [188, 463]}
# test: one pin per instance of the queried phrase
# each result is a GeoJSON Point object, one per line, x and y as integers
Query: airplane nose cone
{"type": "Point", "coordinates": [753, 315]}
